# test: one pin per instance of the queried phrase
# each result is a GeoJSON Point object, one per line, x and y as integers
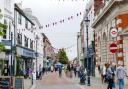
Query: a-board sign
{"type": "Point", "coordinates": [5, 83]}
{"type": "Point", "coordinates": [18, 83]}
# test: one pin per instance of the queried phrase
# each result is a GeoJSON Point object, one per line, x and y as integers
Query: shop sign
{"type": "Point", "coordinates": [6, 42]}
{"type": "Point", "coordinates": [25, 52]}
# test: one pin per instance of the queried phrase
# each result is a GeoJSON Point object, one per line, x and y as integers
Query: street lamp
{"type": "Point", "coordinates": [36, 38]}
{"type": "Point", "coordinates": [88, 65]}
{"type": "Point", "coordinates": [11, 69]}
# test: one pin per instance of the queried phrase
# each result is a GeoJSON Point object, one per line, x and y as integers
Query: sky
{"type": "Point", "coordinates": [63, 35]}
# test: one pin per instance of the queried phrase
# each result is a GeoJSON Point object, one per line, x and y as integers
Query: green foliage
{"type": "Point", "coordinates": [2, 27]}
{"type": "Point", "coordinates": [62, 56]}
{"type": "Point", "coordinates": [2, 47]}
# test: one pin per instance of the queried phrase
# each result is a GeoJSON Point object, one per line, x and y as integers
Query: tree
{"type": "Point", "coordinates": [62, 56]}
{"type": "Point", "coordinates": [2, 27]}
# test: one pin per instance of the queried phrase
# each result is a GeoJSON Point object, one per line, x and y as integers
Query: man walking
{"type": "Point", "coordinates": [6, 71]}
{"type": "Point", "coordinates": [120, 75]}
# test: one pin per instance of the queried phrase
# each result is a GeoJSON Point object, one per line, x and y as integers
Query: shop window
{"type": "Point", "coordinates": [5, 30]}
{"type": "Point", "coordinates": [19, 18]}
{"type": "Point", "coordinates": [25, 41]}
{"type": "Point", "coordinates": [26, 24]}
{"type": "Point", "coordinates": [31, 44]}
{"type": "Point", "coordinates": [19, 38]}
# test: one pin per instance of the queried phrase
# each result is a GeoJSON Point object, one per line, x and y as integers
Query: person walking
{"type": "Point", "coordinates": [60, 70]}
{"type": "Point", "coordinates": [6, 71]}
{"type": "Point", "coordinates": [120, 75]}
{"type": "Point", "coordinates": [75, 72]}
{"type": "Point", "coordinates": [109, 76]}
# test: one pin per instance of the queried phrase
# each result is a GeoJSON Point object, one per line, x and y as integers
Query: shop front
{"type": "Point", "coordinates": [24, 61]}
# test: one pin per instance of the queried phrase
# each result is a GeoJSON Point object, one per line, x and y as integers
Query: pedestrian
{"type": "Point", "coordinates": [109, 76]}
{"type": "Point", "coordinates": [69, 70]}
{"type": "Point", "coordinates": [75, 72]}
{"type": "Point", "coordinates": [60, 70]}
{"type": "Point", "coordinates": [78, 71]}
{"type": "Point", "coordinates": [120, 75]}
{"type": "Point", "coordinates": [6, 71]}
{"type": "Point", "coordinates": [52, 68]}
{"type": "Point", "coordinates": [43, 70]}
{"type": "Point", "coordinates": [102, 73]}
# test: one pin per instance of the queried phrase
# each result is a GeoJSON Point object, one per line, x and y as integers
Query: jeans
{"type": "Point", "coordinates": [121, 83]}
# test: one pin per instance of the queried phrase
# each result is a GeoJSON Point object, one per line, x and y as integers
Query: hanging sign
{"type": "Point", "coordinates": [114, 32]}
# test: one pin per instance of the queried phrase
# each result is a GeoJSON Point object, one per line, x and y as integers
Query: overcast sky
{"type": "Point", "coordinates": [48, 11]}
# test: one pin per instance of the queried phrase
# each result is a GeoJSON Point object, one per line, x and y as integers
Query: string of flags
{"type": "Point", "coordinates": [66, 48]}
{"type": "Point", "coordinates": [60, 21]}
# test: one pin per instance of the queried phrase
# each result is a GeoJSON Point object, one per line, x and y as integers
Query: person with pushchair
{"type": "Point", "coordinates": [83, 73]}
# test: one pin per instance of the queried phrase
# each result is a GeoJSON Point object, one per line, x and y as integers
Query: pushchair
{"type": "Point", "coordinates": [82, 78]}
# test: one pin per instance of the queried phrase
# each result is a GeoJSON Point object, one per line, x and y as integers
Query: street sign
{"type": "Point", "coordinates": [114, 32]}
{"type": "Point", "coordinates": [113, 48]}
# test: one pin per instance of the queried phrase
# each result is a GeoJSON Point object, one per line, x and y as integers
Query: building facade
{"type": "Point", "coordinates": [79, 51]}
{"type": "Point", "coordinates": [24, 41]}
{"type": "Point", "coordinates": [49, 54]}
{"type": "Point", "coordinates": [87, 35]}
{"type": "Point", "coordinates": [108, 15]}
{"type": "Point", "coordinates": [7, 18]}
{"type": "Point", "coordinates": [38, 40]}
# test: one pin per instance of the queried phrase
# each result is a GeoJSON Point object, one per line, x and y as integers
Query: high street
{"type": "Point", "coordinates": [53, 81]}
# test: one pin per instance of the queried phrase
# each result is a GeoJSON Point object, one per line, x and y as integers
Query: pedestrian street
{"type": "Point", "coordinates": [53, 81]}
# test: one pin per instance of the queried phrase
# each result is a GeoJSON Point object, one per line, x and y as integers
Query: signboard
{"type": "Point", "coordinates": [18, 83]}
{"type": "Point", "coordinates": [2, 55]}
{"type": "Point", "coordinates": [5, 83]}
{"type": "Point", "coordinates": [113, 48]}
{"type": "Point", "coordinates": [6, 42]}
{"type": "Point", "coordinates": [114, 32]}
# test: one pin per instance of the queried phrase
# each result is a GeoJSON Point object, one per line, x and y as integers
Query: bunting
{"type": "Point", "coordinates": [55, 23]}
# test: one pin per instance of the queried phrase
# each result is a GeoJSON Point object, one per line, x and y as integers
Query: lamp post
{"type": "Point", "coordinates": [37, 38]}
{"type": "Point", "coordinates": [88, 65]}
{"type": "Point", "coordinates": [11, 69]}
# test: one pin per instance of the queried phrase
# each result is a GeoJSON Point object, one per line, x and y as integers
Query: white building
{"type": "Point", "coordinates": [7, 10]}
{"type": "Point", "coordinates": [79, 49]}
{"type": "Point", "coordinates": [38, 39]}
{"type": "Point", "coordinates": [24, 40]}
